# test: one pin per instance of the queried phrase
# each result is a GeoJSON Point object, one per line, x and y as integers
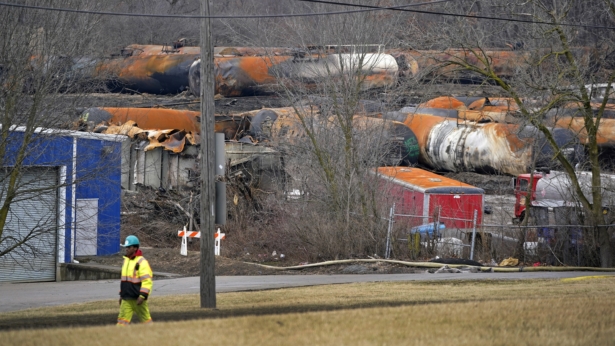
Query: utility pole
{"type": "Point", "coordinates": [208, 278]}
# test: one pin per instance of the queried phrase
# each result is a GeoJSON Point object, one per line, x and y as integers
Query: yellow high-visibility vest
{"type": "Point", "coordinates": [137, 272]}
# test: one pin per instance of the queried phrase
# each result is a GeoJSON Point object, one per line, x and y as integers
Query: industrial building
{"type": "Point", "coordinates": [67, 202]}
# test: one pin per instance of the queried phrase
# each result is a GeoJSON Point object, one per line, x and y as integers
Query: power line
{"type": "Point", "coordinates": [396, 8]}
{"type": "Point", "coordinates": [366, 8]}
{"type": "Point", "coordinates": [186, 16]}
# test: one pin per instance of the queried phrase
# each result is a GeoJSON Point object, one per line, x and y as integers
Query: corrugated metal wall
{"type": "Point", "coordinates": [33, 214]}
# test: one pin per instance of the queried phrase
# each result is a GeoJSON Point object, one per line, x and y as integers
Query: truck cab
{"type": "Point", "coordinates": [520, 186]}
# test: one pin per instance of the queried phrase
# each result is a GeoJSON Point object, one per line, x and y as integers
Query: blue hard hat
{"type": "Point", "coordinates": [131, 240]}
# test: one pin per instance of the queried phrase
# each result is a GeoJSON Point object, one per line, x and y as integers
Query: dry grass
{"type": "Point", "coordinates": [544, 312]}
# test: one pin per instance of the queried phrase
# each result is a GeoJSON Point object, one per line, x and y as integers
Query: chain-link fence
{"type": "Point", "coordinates": [427, 236]}
{"type": "Point", "coordinates": [551, 236]}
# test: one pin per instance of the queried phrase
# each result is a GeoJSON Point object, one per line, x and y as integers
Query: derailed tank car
{"type": "Point", "coordinates": [233, 127]}
{"type": "Point", "coordinates": [254, 75]}
{"type": "Point", "coordinates": [283, 125]}
{"type": "Point", "coordinates": [154, 69]}
{"type": "Point", "coordinates": [463, 146]}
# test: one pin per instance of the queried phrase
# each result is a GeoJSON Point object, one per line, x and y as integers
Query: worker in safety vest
{"type": "Point", "coordinates": [136, 284]}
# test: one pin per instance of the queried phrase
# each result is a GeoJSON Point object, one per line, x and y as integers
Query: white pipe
{"type": "Point", "coordinates": [74, 201]}
{"type": "Point", "coordinates": [439, 265]}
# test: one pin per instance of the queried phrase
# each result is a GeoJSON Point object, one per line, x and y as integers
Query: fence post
{"type": "Point", "coordinates": [473, 235]}
{"type": "Point", "coordinates": [387, 250]}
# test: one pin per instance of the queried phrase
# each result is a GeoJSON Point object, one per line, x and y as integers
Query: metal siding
{"type": "Point", "coordinates": [33, 211]}
{"type": "Point", "coordinates": [42, 150]}
{"type": "Point", "coordinates": [426, 209]}
{"type": "Point", "coordinates": [86, 227]}
{"type": "Point", "coordinates": [179, 171]}
{"type": "Point", "coordinates": [412, 202]}
{"type": "Point", "coordinates": [149, 167]}
{"type": "Point", "coordinates": [73, 205]}
{"type": "Point", "coordinates": [126, 161]}
{"type": "Point", "coordinates": [62, 215]}
{"type": "Point", "coordinates": [186, 165]}
{"type": "Point", "coordinates": [173, 175]}
{"type": "Point", "coordinates": [420, 199]}
{"type": "Point", "coordinates": [139, 175]}
{"type": "Point", "coordinates": [413, 205]}
{"type": "Point", "coordinates": [153, 168]}
{"type": "Point", "coordinates": [51, 149]}
{"type": "Point", "coordinates": [457, 208]}
{"type": "Point", "coordinates": [99, 176]}
{"type": "Point", "coordinates": [434, 190]}
{"type": "Point", "coordinates": [47, 148]}
{"type": "Point", "coordinates": [408, 204]}
{"type": "Point", "coordinates": [164, 169]}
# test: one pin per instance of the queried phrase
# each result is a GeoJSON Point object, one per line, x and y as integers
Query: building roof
{"type": "Point", "coordinates": [72, 133]}
{"type": "Point", "coordinates": [427, 182]}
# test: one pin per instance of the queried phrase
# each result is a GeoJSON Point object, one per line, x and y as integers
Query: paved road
{"type": "Point", "coordinates": [30, 295]}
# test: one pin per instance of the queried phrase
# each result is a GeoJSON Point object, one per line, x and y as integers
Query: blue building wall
{"type": "Point", "coordinates": [98, 175]}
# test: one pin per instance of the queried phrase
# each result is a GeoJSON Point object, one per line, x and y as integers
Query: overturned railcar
{"type": "Point", "coordinates": [242, 75]}
{"type": "Point", "coordinates": [463, 146]}
{"type": "Point", "coordinates": [256, 75]}
{"type": "Point", "coordinates": [164, 151]}
{"type": "Point", "coordinates": [233, 127]}
{"type": "Point", "coordinates": [605, 136]}
{"type": "Point", "coordinates": [435, 64]}
{"type": "Point", "coordinates": [478, 109]}
{"type": "Point", "coordinates": [145, 118]}
{"type": "Point", "coordinates": [239, 76]}
{"type": "Point", "coordinates": [284, 126]}
{"type": "Point", "coordinates": [154, 73]}
{"type": "Point", "coordinates": [443, 64]}
{"type": "Point", "coordinates": [484, 104]}
{"type": "Point", "coordinates": [461, 114]}
{"type": "Point", "coordinates": [151, 49]}
{"type": "Point", "coordinates": [154, 69]}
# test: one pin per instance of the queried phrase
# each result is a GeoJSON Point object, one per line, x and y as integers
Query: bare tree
{"type": "Point", "coordinates": [330, 152]}
{"type": "Point", "coordinates": [559, 61]}
{"type": "Point", "coordinates": [42, 54]}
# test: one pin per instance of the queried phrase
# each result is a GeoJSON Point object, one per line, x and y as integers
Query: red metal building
{"type": "Point", "coordinates": [422, 197]}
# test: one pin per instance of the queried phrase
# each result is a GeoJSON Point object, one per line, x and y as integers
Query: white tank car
{"type": "Point", "coordinates": [555, 190]}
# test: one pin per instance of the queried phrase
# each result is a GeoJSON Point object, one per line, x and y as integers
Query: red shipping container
{"type": "Point", "coordinates": [422, 197]}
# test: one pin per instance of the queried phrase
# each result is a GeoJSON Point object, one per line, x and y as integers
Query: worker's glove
{"type": "Point", "coordinates": [140, 300]}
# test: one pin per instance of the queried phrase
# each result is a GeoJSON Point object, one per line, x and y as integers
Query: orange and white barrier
{"type": "Point", "coordinates": [185, 235]}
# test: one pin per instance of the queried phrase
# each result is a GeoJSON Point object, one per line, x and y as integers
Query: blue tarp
{"type": "Point", "coordinates": [427, 228]}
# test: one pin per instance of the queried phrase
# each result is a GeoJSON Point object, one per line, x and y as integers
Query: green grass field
{"type": "Point", "coordinates": [536, 312]}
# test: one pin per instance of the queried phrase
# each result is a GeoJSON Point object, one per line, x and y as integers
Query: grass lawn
{"type": "Point", "coordinates": [533, 312]}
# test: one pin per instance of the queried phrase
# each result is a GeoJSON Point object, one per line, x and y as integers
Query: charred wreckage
{"type": "Point", "coordinates": [445, 134]}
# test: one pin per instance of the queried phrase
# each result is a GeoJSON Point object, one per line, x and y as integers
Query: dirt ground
{"type": "Point", "coordinates": [170, 261]}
